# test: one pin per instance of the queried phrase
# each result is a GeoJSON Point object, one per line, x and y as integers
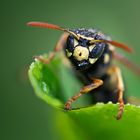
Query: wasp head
{"type": "Point", "coordinates": [81, 51]}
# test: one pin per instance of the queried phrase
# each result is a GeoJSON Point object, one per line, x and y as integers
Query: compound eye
{"type": "Point", "coordinates": [70, 43]}
{"type": "Point", "coordinates": [97, 50]}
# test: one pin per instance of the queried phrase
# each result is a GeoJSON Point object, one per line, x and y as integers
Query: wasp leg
{"type": "Point", "coordinates": [59, 45]}
{"type": "Point", "coordinates": [127, 63]}
{"type": "Point", "coordinates": [96, 83]}
{"type": "Point", "coordinates": [120, 88]}
{"type": "Point", "coordinates": [45, 61]}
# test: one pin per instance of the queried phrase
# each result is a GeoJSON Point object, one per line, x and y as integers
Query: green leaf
{"type": "Point", "coordinates": [55, 84]}
{"type": "Point", "coordinates": [45, 82]}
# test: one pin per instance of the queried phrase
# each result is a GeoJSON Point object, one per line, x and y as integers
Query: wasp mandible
{"type": "Point", "coordinates": [91, 53]}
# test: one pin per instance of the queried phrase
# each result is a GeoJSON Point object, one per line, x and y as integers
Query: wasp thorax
{"type": "Point", "coordinates": [81, 53]}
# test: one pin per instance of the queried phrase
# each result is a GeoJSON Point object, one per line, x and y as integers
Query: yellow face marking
{"type": "Point", "coordinates": [91, 47]}
{"type": "Point", "coordinates": [68, 53]}
{"type": "Point", "coordinates": [88, 38]}
{"type": "Point", "coordinates": [75, 42]}
{"type": "Point", "coordinates": [106, 58]}
{"type": "Point", "coordinates": [92, 60]}
{"type": "Point", "coordinates": [112, 48]}
{"type": "Point", "coordinates": [81, 53]}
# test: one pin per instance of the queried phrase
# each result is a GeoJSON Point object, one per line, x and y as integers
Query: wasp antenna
{"type": "Point", "coordinates": [45, 25]}
{"type": "Point", "coordinates": [120, 45]}
{"type": "Point", "coordinates": [116, 44]}
{"type": "Point", "coordinates": [51, 26]}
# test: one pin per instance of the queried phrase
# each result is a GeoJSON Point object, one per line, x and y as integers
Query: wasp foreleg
{"type": "Point", "coordinates": [96, 83]}
{"type": "Point", "coordinates": [44, 60]}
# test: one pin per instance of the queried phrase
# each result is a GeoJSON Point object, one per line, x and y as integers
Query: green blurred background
{"type": "Point", "coordinates": [22, 115]}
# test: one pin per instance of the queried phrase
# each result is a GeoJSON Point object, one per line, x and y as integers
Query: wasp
{"type": "Point", "coordinates": [91, 53]}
